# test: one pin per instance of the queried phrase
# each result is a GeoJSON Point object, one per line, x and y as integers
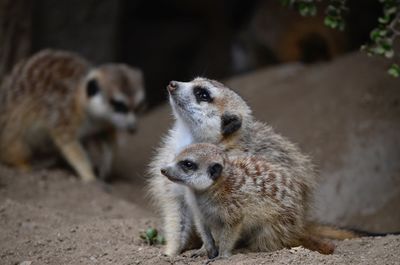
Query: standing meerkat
{"type": "Point", "coordinates": [245, 198]}
{"type": "Point", "coordinates": [207, 111]}
{"type": "Point", "coordinates": [58, 98]}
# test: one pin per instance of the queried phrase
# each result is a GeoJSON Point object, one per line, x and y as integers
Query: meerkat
{"type": "Point", "coordinates": [209, 112]}
{"type": "Point", "coordinates": [243, 198]}
{"type": "Point", "coordinates": [57, 98]}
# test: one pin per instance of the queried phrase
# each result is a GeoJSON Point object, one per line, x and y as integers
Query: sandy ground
{"type": "Point", "coordinates": [352, 130]}
{"type": "Point", "coordinates": [50, 218]}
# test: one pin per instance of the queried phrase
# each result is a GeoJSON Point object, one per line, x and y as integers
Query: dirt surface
{"type": "Point", "coordinates": [335, 112]}
{"type": "Point", "coordinates": [50, 218]}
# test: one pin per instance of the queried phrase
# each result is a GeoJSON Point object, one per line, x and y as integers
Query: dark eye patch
{"type": "Point", "coordinates": [187, 165]}
{"type": "Point", "coordinates": [119, 106]}
{"type": "Point", "coordinates": [215, 170]}
{"type": "Point", "coordinates": [92, 88]}
{"type": "Point", "coordinates": [202, 94]}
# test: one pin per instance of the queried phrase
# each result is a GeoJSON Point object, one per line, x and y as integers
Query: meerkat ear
{"type": "Point", "coordinates": [92, 88]}
{"type": "Point", "coordinates": [215, 170]}
{"type": "Point", "coordinates": [230, 123]}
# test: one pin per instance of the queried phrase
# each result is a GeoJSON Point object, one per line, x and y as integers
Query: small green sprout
{"type": "Point", "coordinates": [152, 237]}
{"type": "Point", "coordinates": [394, 70]}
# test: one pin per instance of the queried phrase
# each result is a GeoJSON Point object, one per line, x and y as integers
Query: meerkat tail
{"type": "Point", "coordinates": [316, 244]}
{"type": "Point", "coordinates": [331, 232]}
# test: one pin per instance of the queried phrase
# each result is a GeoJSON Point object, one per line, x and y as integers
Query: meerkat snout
{"type": "Point", "coordinates": [172, 86]}
{"type": "Point", "coordinates": [131, 128]}
{"type": "Point", "coordinates": [171, 174]}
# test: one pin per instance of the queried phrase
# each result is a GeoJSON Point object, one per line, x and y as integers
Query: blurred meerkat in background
{"type": "Point", "coordinates": [58, 99]}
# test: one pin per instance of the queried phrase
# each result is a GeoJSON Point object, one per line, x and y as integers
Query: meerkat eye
{"type": "Point", "coordinates": [187, 165]}
{"type": "Point", "coordinates": [202, 94]}
{"type": "Point", "coordinates": [119, 106]}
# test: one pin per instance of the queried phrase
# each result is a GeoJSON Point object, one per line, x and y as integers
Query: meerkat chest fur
{"type": "Point", "coordinates": [181, 136]}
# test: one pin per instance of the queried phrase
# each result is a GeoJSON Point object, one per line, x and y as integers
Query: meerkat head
{"type": "Point", "coordinates": [198, 166]}
{"type": "Point", "coordinates": [115, 94]}
{"type": "Point", "coordinates": [211, 110]}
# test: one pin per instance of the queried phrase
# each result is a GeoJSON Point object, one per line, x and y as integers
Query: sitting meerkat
{"type": "Point", "coordinates": [57, 98]}
{"type": "Point", "coordinates": [246, 199]}
{"type": "Point", "coordinates": [206, 111]}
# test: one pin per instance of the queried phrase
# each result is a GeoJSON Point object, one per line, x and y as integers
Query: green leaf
{"type": "Point", "coordinates": [394, 70]}
{"type": "Point", "coordinates": [389, 54]}
{"type": "Point", "coordinates": [151, 233]}
{"type": "Point", "coordinates": [379, 50]}
{"type": "Point", "coordinates": [383, 32]}
{"type": "Point", "coordinates": [387, 44]}
{"type": "Point", "coordinates": [332, 11]}
{"type": "Point", "coordinates": [331, 22]}
{"type": "Point", "coordinates": [374, 35]}
{"type": "Point", "coordinates": [390, 11]}
{"type": "Point", "coordinates": [313, 10]}
{"type": "Point", "coordinates": [384, 20]}
{"type": "Point", "coordinates": [303, 9]}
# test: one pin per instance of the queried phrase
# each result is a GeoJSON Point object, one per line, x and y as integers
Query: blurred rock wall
{"type": "Point", "coordinates": [88, 27]}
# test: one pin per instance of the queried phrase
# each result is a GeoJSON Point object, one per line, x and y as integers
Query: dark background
{"type": "Point", "coordinates": [178, 39]}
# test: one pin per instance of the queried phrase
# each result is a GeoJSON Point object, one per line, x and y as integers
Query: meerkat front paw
{"type": "Point", "coordinates": [199, 252]}
{"type": "Point", "coordinates": [211, 253]}
{"type": "Point", "coordinates": [209, 261]}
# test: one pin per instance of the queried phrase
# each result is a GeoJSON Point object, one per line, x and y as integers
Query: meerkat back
{"type": "Point", "coordinates": [38, 95]}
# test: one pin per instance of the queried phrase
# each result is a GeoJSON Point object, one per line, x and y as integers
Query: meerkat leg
{"type": "Point", "coordinates": [202, 229]}
{"type": "Point", "coordinates": [228, 237]}
{"type": "Point", "coordinates": [178, 226]}
{"type": "Point", "coordinates": [101, 154]}
{"type": "Point", "coordinates": [107, 153]}
{"type": "Point", "coordinates": [76, 156]}
{"type": "Point", "coordinates": [209, 246]}
{"type": "Point", "coordinates": [18, 154]}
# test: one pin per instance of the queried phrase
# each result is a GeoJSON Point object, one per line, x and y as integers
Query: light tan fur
{"type": "Point", "coordinates": [227, 121]}
{"type": "Point", "coordinates": [243, 198]}
{"type": "Point", "coordinates": [45, 102]}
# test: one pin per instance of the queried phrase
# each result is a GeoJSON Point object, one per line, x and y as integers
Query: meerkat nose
{"type": "Point", "coordinates": [163, 171]}
{"type": "Point", "coordinates": [172, 86]}
{"type": "Point", "coordinates": [132, 129]}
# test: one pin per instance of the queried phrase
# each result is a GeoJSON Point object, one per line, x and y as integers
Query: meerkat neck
{"type": "Point", "coordinates": [182, 135]}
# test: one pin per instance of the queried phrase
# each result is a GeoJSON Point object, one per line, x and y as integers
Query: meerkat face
{"type": "Point", "coordinates": [115, 94]}
{"type": "Point", "coordinates": [210, 110]}
{"type": "Point", "coordinates": [198, 166]}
